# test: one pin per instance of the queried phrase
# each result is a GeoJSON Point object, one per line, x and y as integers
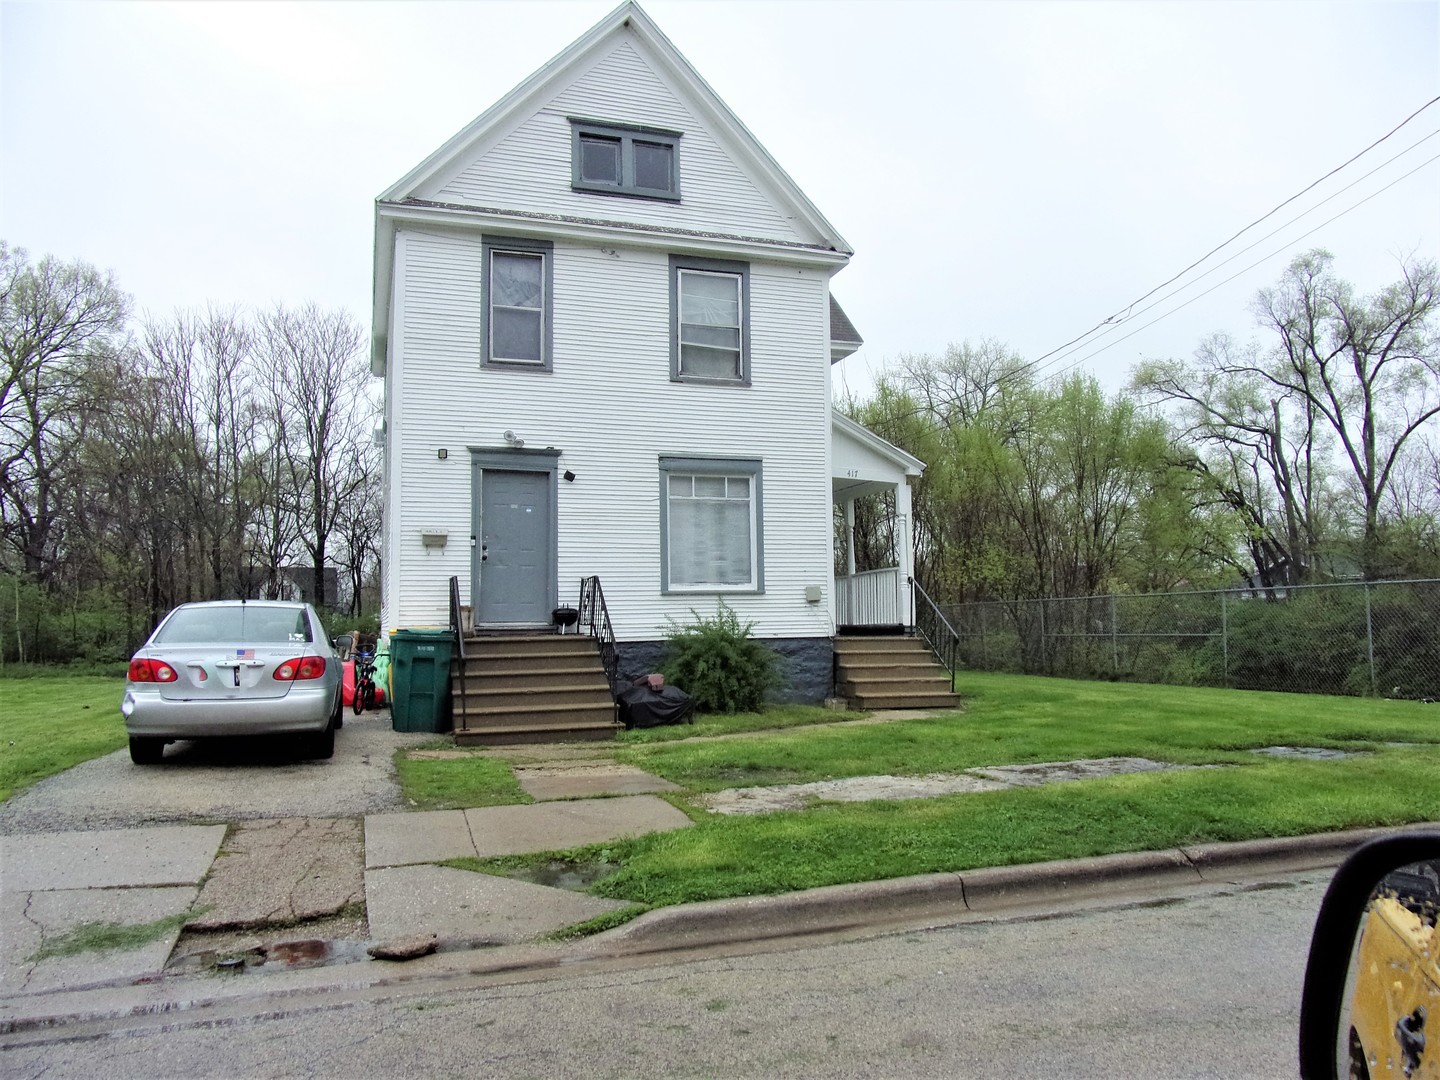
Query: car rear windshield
{"type": "Point", "coordinates": [242, 625]}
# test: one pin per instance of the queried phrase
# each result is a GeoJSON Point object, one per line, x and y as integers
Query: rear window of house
{"type": "Point", "coordinates": [241, 625]}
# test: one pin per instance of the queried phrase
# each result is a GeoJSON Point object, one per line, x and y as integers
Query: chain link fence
{"type": "Point", "coordinates": [1379, 639]}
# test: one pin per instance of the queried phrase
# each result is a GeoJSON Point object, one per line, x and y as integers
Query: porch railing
{"type": "Point", "coordinates": [870, 598]}
{"type": "Point", "coordinates": [595, 621]}
{"type": "Point", "coordinates": [457, 627]}
{"type": "Point", "coordinates": [944, 642]}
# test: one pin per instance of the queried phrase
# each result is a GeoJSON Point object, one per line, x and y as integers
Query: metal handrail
{"type": "Point", "coordinates": [595, 621]}
{"type": "Point", "coordinates": [459, 630]}
{"type": "Point", "coordinates": [944, 642]}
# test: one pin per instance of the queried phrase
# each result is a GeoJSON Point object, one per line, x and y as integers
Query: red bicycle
{"type": "Point", "coordinates": [364, 682]}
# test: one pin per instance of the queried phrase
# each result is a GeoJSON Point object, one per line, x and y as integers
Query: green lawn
{"type": "Point", "coordinates": [457, 783]}
{"type": "Point", "coordinates": [1016, 719]}
{"type": "Point", "coordinates": [49, 723]}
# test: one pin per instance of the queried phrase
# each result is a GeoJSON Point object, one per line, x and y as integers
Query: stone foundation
{"type": "Point", "coordinates": [806, 666]}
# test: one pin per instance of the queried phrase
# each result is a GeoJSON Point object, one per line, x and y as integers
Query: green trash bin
{"type": "Point", "coordinates": [420, 675]}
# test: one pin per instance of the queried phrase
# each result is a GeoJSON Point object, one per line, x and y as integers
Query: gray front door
{"type": "Point", "coordinates": [515, 548]}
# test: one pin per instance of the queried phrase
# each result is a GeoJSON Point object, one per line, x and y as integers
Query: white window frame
{"type": "Point", "coordinates": [681, 265]}
{"type": "Point", "coordinates": [747, 469]}
{"type": "Point", "coordinates": [523, 247]}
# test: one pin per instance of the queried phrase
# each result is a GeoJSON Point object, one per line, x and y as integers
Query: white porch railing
{"type": "Point", "coordinates": [870, 598]}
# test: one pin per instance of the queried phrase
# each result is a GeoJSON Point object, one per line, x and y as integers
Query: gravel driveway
{"type": "Point", "coordinates": [220, 781]}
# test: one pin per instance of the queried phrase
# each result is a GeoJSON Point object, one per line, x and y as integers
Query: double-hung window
{"type": "Point", "coordinates": [709, 321]}
{"type": "Point", "coordinates": [516, 285]}
{"type": "Point", "coordinates": [615, 159]}
{"type": "Point", "coordinates": [712, 525]}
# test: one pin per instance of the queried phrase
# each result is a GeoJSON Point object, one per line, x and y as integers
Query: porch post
{"type": "Point", "coordinates": [850, 537]}
{"type": "Point", "coordinates": [906, 554]}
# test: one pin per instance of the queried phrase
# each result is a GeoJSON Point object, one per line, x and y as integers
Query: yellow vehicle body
{"type": "Point", "coordinates": [1395, 1008]}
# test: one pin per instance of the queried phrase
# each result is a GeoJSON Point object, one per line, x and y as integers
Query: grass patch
{"type": "Point", "coordinates": [109, 936]}
{"type": "Point", "coordinates": [599, 923]}
{"type": "Point", "coordinates": [1016, 719]}
{"type": "Point", "coordinates": [771, 718]}
{"type": "Point", "coordinates": [835, 843]}
{"type": "Point", "coordinates": [53, 722]}
{"type": "Point", "coordinates": [457, 783]}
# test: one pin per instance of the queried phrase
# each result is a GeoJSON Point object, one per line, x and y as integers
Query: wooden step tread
{"type": "Point", "coordinates": [511, 710]}
{"type": "Point", "coordinates": [574, 725]}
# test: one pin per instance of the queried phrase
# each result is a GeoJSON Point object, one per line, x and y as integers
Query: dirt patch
{"type": "Point", "coordinates": [1310, 753]}
{"type": "Point", "coordinates": [765, 800]}
{"type": "Point", "coordinates": [1054, 772]}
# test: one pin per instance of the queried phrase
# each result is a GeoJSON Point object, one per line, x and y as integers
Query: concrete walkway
{"type": "Point", "coordinates": [289, 872]}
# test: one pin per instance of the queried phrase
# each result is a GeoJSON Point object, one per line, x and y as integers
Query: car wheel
{"type": "Point", "coordinates": [322, 745]}
{"type": "Point", "coordinates": [146, 749]}
{"type": "Point", "coordinates": [338, 719]}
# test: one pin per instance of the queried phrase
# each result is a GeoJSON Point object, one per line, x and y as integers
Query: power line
{"type": "Point", "coordinates": [1123, 311]}
{"type": "Point", "coordinates": [1130, 313]}
{"type": "Point", "coordinates": [1252, 266]}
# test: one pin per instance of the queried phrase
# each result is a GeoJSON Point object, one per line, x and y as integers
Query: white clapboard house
{"type": "Point", "coordinates": [604, 321]}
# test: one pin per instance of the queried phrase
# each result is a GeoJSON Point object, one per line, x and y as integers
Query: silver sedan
{"type": "Point", "coordinates": [233, 667]}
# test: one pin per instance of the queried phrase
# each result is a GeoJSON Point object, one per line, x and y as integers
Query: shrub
{"type": "Point", "coordinates": [718, 663]}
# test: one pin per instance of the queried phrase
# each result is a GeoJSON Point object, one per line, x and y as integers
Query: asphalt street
{"type": "Point", "coordinates": [1206, 984]}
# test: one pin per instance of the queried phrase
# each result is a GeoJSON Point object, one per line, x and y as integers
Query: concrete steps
{"type": "Point", "coordinates": [531, 687]}
{"type": "Point", "coordinates": [891, 672]}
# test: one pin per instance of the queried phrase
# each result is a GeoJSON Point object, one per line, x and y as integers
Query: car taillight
{"type": "Point", "coordinates": [142, 670]}
{"type": "Point", "coordinates": [302, 667]}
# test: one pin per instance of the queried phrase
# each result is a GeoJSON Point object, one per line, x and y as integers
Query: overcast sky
{"type": "Point", "coordinates": [1017, 171]}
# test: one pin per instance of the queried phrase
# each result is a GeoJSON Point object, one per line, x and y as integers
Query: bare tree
{"type": "Point", "coordinates": [58, 320]}
{"type": "Point", "coordinates": [319, 405]}
{"type": "Point", "coordinates": [1345, 386]}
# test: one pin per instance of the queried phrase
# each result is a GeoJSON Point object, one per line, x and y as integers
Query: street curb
{"type": "Point", "coordinates": [990, 890]}
{"type": "Point", "coordinates": [938, 899]}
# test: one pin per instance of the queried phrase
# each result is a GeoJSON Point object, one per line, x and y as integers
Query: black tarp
{"type": "Point", "coordinates": [641, 707]}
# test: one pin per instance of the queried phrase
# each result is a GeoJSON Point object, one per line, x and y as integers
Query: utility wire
{"type": "Point", "coordinates": [1122, 313]}
{"type": "Point", "coordinates": [1064, 352]}
{"type": "Point", "coordinates": [1252, 266]}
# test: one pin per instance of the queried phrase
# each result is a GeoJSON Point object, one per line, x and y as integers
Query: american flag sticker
{"type": "Point", "coordinates": [244, 654]}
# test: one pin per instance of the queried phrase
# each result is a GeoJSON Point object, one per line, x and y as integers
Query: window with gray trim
{"type": "Point", "coordinates": [711, 525]}
{"type": "Point", "coordinates": [617, 159]}
{"type": "Point", "coordinates": [709, 321]}
{"type": "Point", "coordinates": [516, 284]}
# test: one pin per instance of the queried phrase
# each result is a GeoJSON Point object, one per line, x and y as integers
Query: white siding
{"type": "Point", "coordinates": [529, 168]}
{"type": "Point", "coordinates": [610, 407]}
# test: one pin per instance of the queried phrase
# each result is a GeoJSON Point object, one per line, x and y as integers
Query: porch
{"type": "Point", "coordinates": [874, 546]}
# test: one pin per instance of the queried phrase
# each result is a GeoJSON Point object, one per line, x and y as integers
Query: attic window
{"type": "Point", "coordinates": [613, 159]}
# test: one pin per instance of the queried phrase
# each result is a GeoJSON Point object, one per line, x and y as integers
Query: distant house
{"type": "Point", "coordinates": [604, 320]}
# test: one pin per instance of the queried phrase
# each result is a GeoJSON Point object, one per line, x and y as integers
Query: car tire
{"type": "Point", "coordinates": [337, 721]}
{"type": "Point", "coordinates": [322, 745]}
{"type": "Point", "coordinates": [146, 749]}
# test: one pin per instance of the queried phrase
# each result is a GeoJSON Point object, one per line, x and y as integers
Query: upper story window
{"type": "Point", "coordinates": [516, 285]}
{"type": "Point", "coordinates": [641, 162]}
{"type": "Point", "coordinates": [709, 321]}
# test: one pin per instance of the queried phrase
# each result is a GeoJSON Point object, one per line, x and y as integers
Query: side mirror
{"type": "Point", "coordinates": [1371, 1005]}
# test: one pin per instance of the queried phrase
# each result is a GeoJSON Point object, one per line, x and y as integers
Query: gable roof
{"type": "Point", "coordinates": [531, 94]}
{"type": "Point", "coordinates": [407, 196]}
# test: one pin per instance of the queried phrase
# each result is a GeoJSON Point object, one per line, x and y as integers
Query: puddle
{"type": "Point", "coordinates": [281, 956]}
{"type": "Point", "coordinates": [565, 874]}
